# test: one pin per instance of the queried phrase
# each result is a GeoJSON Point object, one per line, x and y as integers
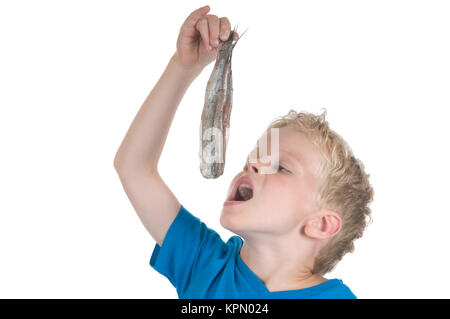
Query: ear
{"type": "Point", "coordinates": [325, 224]}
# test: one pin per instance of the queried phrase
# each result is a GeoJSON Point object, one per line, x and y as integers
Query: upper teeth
{"type": "Point", "coordinates": [245, 190]}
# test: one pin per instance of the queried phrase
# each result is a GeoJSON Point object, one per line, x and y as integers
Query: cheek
{"type": "Point", "coordinates": [291, 201]}
{"type": "Point", "coordinates": [277, 196]}
{"type": "Point", "coordinates": [279, 207]}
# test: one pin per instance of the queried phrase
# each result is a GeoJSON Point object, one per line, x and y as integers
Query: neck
{"type": "Point", "coordinates": [278, 267]}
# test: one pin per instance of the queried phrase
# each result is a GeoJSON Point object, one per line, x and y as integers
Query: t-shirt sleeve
{"type": "Point", "coordinates": [187, 247]}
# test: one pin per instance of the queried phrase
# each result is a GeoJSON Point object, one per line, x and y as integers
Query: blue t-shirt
{"type": "Point", "coordinates": [199, 264]}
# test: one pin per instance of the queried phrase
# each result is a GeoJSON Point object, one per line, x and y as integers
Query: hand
{"type": "Point", "coordinates": [199, 38]}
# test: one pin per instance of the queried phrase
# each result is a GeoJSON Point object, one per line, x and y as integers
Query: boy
{"type": "Point", "coordinates": [296, 222]}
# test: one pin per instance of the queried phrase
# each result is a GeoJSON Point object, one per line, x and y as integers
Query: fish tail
{"type": "Point", "coordinates": [235, 30]}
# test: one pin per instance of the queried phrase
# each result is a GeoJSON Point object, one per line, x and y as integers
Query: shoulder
{"type": "Point", "coordinates": [234, 243]}
{"type": "Point", "coordinates": [339, 290]}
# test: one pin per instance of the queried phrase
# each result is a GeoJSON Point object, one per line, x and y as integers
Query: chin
{"type": "Point", "coordinates": [225, 220]}
{"type": "Point", "coordinates": [231, 220]}
{"type": "Point", "coordinates": [236, 221]}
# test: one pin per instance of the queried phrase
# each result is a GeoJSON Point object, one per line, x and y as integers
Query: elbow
{"type": "Point", "coordinates": [121, 169]}
{"type": "Point", "coordinates": [127, 168]}
{"type": "Point", "coordinates": [118, 164]}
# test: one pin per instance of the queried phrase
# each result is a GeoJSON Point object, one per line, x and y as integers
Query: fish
{"type": "Point", "coordinates": [215, 118]}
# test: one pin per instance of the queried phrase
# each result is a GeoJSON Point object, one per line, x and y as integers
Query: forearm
{"type": "Point", "coordinates": [142, 145]}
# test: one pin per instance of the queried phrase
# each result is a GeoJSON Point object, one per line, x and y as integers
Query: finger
{"type": "Point", "coordinates": [214, 27]}
{"type": "Point", "coordinates": [195, 15]}
{"type": "Point", "coordinates": [225, 28]}
{"type": "Point", "coordinates": [202, 27]}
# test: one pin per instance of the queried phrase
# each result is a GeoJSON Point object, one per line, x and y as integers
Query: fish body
{"type": "Point", "coordinates": [215, 119]}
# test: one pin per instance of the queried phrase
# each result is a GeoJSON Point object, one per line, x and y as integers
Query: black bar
{"type": "Point", "coordinates": [221, 308]}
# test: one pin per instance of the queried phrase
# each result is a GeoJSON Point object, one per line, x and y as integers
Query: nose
{"type": "Point", "coordinates": [253, 167]}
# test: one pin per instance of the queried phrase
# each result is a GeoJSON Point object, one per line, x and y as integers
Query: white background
{"type": "Point", "coordinates": [73, 75]}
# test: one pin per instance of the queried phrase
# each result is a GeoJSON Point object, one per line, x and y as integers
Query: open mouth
{"type": "Point", "coordinates": [242, 191]}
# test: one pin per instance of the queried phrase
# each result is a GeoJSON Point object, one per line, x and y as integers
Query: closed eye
{"type": "Point", "coordinates": [280, 168]}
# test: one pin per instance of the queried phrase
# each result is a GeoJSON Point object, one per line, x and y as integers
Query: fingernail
{"type": "Point", "coordinates": [209, 47]}
{"type": "Point", "coordinates": [216, 42]}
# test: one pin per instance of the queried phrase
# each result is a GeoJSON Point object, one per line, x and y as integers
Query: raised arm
{"type": "Point", "coordinates": [136, 160]}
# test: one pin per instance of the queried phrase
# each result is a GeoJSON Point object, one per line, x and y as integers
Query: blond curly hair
{"type": "Point", "coordinates": [343, 185]}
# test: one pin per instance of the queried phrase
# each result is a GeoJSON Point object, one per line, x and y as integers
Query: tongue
{"type": "Point", "coordinates": [245, 192]}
